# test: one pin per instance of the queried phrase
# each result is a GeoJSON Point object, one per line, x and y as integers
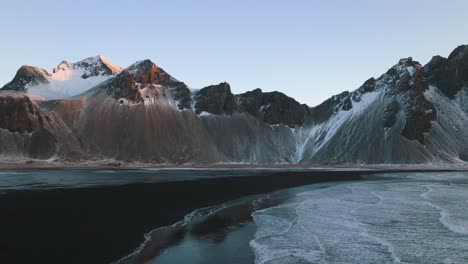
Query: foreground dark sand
{"type": "Point", "coordinates": [103, 224]}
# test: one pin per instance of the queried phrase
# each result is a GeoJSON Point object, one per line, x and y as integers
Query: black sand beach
{"type": "Point", "coordinates": [104, 224]}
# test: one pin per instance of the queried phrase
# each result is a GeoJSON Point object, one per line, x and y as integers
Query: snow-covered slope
{"type": "Point", "coordinates": [66, 80]}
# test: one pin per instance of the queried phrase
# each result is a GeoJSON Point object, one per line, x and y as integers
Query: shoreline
{"type": "Point", "coordinates": [113, 164]}
{"type": "Point", "coordinates": [102, 224]}
{"type": "Point", "coordinates": [105, 223]}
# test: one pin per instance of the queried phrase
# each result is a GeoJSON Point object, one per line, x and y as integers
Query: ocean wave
{"type": "Point", "coordinates": [408, 219]}
{"type": "Point", "coordinates": [449, 200]}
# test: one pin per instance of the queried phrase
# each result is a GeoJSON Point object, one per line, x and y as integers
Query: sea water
{"type": "Point", "coordinates": [407, 218]}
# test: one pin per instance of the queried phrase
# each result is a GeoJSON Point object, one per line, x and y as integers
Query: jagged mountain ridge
{"type": "Point", "coordinates": [411, 114]}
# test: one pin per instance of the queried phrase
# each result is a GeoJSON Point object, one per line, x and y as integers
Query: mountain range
{"type": "Point", "coordinates": [97, 110]}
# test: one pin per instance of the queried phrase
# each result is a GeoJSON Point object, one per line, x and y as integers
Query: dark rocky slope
{"type": "Point", "coordinates": [28, 131]}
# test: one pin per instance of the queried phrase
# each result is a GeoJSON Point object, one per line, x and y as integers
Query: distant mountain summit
{"type": "Point", "coordinates": [145, 81]}
{"type": "Point", "coordinates": [94, 109]}
{"type": "Point", "coordinates": [27, 76]}
{"type": "Point", "coordinates": [89, 67]}
{"type": "Point", "coordinates": [66, 80]}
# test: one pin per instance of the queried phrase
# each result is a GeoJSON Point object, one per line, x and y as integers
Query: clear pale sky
{"type": "Point", "coordinates": [309, 50]}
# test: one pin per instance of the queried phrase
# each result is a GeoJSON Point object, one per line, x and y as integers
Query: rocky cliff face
{"type": "Point", "coordinates": [28, 131]}
{"type": "Point", "coordinates": [274, 108]}
{"type": "Point", "coordinates": [215, 99]}
{"type": "Point", "coordinates": [410, 114]}
{"type": "Point", "coordinates": [20, 114]}
{"type": "Point", "coordinates": [450, 74]}
{"type": "Point", "coordinates": [145, 81]}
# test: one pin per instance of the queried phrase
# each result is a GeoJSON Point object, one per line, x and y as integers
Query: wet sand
{"type": "Point", "coordinates": [104, 224]}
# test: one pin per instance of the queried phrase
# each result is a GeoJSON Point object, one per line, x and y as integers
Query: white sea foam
{"type": "Point", "coordinates": [451, 202]}
{"type": "Point", "coordinates": [409, 219]}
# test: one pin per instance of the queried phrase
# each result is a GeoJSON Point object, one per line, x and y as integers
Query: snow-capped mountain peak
{"type": "Point", "coordinates": [144, 81]}
{"type": "Point", "coordinates": [66, 80]}
{"type": "Point", "coordinates": [63, 66]}
{"type": "Point", "coordinates": [26, 76]}
{"type": "Point", "coordinates": [112, 66]}
{"type": "Point", "coordinates": [92, 66]}
{"type": "Point", "coordinates": [148, 68]}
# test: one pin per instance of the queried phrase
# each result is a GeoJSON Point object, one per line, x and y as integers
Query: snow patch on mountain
{"type": "Point", "coordinates": [317, 136]}
{"type": "Point", "coordinates": [70, 79]}
{"type": "Point", "coordinates": [60, 89]}
{"type": "Point", "coordinates": [112, 66]}
{"type": "Point", "coordinates": [448, 135]}
{"type": "Point", "coordinates": [461, 98]}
